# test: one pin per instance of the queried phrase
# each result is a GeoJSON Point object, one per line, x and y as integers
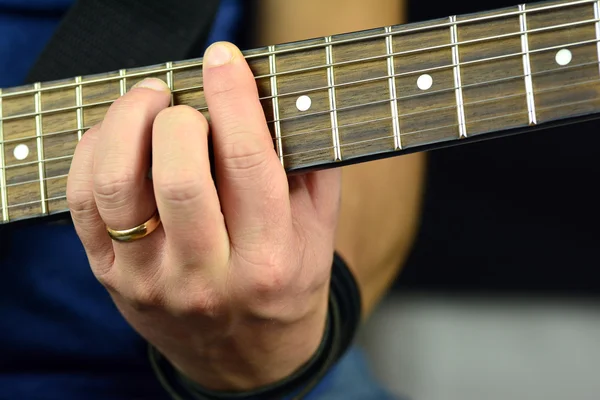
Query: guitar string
{"type": "Point", "coordinates": [411, 114]}
{"type": "Point", "coordinates": [36, 181]}
{"type": "Point", "coordinates": [352, 83]}
{"type": "Point", "coordinates": [389, 77]}
{"type": "Point", "coordinates": [198, 63]}
{"type": "Point", "coordinates": [63, 197]}
{"type": "Point", "coordinates": [430, 93]}
{"type": "Point", "coordinates": [452, 107]}
{"type": "Point", "coordinates": [403, 115]}
{"type": "Point", "coordinates": [349, 144]}
{"type": "Point", "coordinates": [321, 88]}
{"type": "Point", "coordinates": [455, 139]}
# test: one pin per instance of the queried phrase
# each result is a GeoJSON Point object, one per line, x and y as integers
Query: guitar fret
{"type": "Point", "coordinates": [275, 101]}
{"type": "Point", "coordinates": [527, 66]}
{"type": "Point", "coordinates": [597, 18]}
{"type": "Point", "coordinates": [169, 66]}
{"type": "Point", "coordinates": [123, 82]}
{"type": "Point", "coordinates": [40, 147]}
{"type": "Point", "coordinates": [79, 103]}
{"type": "Point", "coordinates": [3, 167]}
{"type": "Point", "coordinates": [462, 128]}
{"type": "Point", "coordinates": [332, 101]}
{"type": "Point", "coordinates": [329, 99]}
{"type": "Point", "coordinates": [393, 93]}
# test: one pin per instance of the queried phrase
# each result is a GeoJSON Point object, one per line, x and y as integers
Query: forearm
{"type": "Point", "coordinates": [380, 200]}
{"type": "Point", "coordinates": [287, 21]}
{"type": "Point", "coordinates": [378, 221]}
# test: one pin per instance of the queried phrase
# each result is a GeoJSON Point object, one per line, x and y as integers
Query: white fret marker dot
{"type": "Point", "coordinates": [21, 152]}
{"type": "Point", "coordinates": [564, 57]}
{"type": "Point", "coordinates": [303, 103]}
{"type": "Point", "coordinates": [425, 82]}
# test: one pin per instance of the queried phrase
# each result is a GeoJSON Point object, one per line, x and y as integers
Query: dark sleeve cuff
{"type": "Point", "coordinates": [343, 320]}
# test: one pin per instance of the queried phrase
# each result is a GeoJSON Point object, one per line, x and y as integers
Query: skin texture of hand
{"type": "Point", "coordinates": [381, 200]}
{"type": "Point", "coordinates": [232, 287]}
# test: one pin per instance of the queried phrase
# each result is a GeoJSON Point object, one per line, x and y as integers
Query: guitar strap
{"type": "Point", "coordinates": [97, 36]}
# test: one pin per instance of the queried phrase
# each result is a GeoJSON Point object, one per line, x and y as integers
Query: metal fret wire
{"type": "Point", "coordinates": [383, 77]}
{"type": "Point", "coordinates": [275, 104]}
{"type": "Point", "coordinates": [332, 102]}
{"type": "Point", "coordinates": [372, 103]}
{"type": "Point", "coordinates": [400, 53]}
{"type": "Point", "coordinates": [450, 107]}
{"type": "Point", "coordinates": [527, 68]}
{"type": "Point", "coordinates": [597, 21]}
{"type": "Point", "coordinates": [40, 148]}
{"type": "Point", "coordinates": [378, 120]}
{"type": "Point", "coordinates": [597, 16]}
{"type": "Point", "coordinates": [198, 63]}
{"type": "Point", "coordinates": [331, 147]}
{"type": "Point", "coordinates": [438, 69]}
{"type": "Point", "coordinates": [123, 74]}
{"type": "Point", "coordinates": [79, 102]}
{"type": "Point", "coordinates": [3, 189]}
{"type": "Point", "coordinates": [389, 44]}
{"type": "Point", "coordinates": [439, 127]}
{"type": "Point", "coordinates": [460, 108]}
{"type": "Point", "coordinates": [122, 84]}
{"type": "Point", "coordinates": [169, 67]}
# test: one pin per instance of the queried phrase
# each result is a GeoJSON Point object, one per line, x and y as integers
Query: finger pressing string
{"type": "Point", "coordinates": [250, 177]}
{"type": "Point", "coordinates": [123, 193]}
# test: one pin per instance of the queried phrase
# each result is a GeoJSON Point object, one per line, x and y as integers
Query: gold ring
{"type": "Point", "coordinates": [139, 232]}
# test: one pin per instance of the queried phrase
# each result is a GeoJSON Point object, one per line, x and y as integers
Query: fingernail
{"type": "Point", "coordinates": [152, 83]}
{"type": "Point", "coordinates": [218, 54]}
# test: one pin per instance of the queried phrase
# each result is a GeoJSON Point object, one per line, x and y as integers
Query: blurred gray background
{"type": "Point", "coordinates": [429, 346]}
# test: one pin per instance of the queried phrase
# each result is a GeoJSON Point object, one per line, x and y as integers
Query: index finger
{"type": "Point", "coordinates": [250, 177]}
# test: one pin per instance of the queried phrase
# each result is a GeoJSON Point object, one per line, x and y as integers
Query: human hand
{"type": "Point", "coordinates": [232, 287]}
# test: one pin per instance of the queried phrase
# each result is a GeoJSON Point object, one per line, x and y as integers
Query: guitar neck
{"type": "Point", "coordinates": [339, 99]}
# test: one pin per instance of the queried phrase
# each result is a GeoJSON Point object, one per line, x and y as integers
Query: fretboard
{"type": "Point", "coordinates": [339, 99]}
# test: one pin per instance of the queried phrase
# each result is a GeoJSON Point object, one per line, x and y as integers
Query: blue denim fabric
{"type": "Point", "coordinates": [351, 379]}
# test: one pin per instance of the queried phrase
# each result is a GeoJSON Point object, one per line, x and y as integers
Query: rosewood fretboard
{"type": "Point", "coordinates": [342, 98]}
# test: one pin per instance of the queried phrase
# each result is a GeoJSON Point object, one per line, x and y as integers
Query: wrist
{"type": "Point", "coordinates": [343, 319]}
{"type": "Point", "coordinates": [257, 352]}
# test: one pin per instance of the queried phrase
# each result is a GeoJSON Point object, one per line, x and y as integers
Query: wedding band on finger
{"type": "Point", "coordinates": [136, 233]}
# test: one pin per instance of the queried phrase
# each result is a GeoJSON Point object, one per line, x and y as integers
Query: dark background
{"type": "Point", "coordinates": [516, 214]}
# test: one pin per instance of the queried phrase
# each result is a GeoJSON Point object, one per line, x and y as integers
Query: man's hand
{"type": "Point", "coordinates": [232, 287]}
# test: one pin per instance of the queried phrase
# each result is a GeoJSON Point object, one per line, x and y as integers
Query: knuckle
{"type": "Point", "coordinates": [124, 104]}
{"type": "Point", "coordinates": [89, 137]}
{"type": "Point", "coordinates": [220, 87]}
{"type": "Point", "coordinates": [144, 296]}
{"type": "Point", "coordinates": [245, 155]}
{"type": "Point", "coordinates": [181, 188]}
{"type": "Point", "coordinates": [203, 303]}
{"type": "Point", "coordinates": [105, 276]}
{"type": "Point", "coordinates": [129, 102]}
{"type": "Point", "coordinates": [268, 285]}
{"type": "Point", "coordinates": [80, 202]}
{"type": "Point", "coordinates": [112, 186]}
{"type": "Point", "coordinates": [271, 278]}
{"type": "Point", "coordinates": [133, 106]}
{"type": "Point", "coordinates": [180, 115]}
